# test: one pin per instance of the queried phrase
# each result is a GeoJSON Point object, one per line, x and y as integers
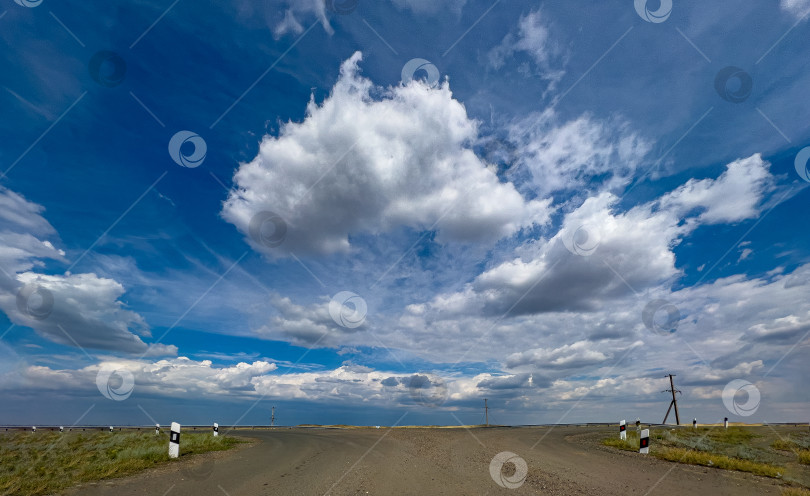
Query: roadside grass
{"type": "Point", "coordinates": [695, 457]}
{"type": "Point", "coordinates": [44, 463]}
{"type": "Point", "coordinates": [800, 445]}
{"type": "Point", "coordinates": [792, 442]}
{"type": "Point", "coordinates": [795, 491]}
{"type": "Point", "coordinates": [718, 448]}
{"type": "Point", "coordinates": [629, 444]}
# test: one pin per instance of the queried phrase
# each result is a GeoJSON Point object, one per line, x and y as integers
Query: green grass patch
{"type": "Point", "coordinates": [798, 445]}
{"type": "Point", "coordinates": [629, 444]}
{"type": "Point", "coordinates": [46, 462]}
{"type": "Point", "coordinates": [792, 443]}
{"type": "Point", "coordinates": [706, 438]}
{"type": "Point", "coordinates": [730, 449]}
{"type": "Point", "coordinates": [783, 444]}
{"type": "Point", "coordinates": [694, 457]}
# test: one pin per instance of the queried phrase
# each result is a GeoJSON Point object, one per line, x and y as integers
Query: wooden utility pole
{"type": "Point", "coordinates": [273, 417]}
{"type": "Point", "coordinates": [486, 412]}
{"type": "Point", "coordinates": [674, 401]}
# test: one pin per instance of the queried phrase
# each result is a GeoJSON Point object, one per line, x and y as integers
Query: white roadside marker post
{"type": "Point", "coordinates": [157, 429]}
{"type": "Point", "coordinates": [174, 441]}
{"type": "Point", "coordinates": [638, 424]}
{"type": "Point", "coordinates": [623, 429]}
{"type": "Point", "coordinates": [33, 428]}
{"type": "Point", "coordinates": [61, 429]}
{"type": "Point", "coordinates": [644, 442]}
{"type": "Point", "coordinates": [694, 423]}
{"type": "Point", "coordinates": [111, 428]}
{"type": "Point", "coordinates": [216, 429]}
{"type": "Point", "coordinates": [725, 423]}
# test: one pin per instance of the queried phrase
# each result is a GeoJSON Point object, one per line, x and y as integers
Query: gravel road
{"type": "Point", "coordinates": [558, 461]}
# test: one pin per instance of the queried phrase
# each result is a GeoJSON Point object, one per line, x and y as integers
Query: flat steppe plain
{"type": "Point", "coordinates": [563, 460]}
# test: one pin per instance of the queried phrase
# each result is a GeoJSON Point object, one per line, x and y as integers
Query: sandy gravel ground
{"type": "Point", "coordinates": [559, 461]}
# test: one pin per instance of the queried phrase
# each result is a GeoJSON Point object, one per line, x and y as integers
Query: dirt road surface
{"type": "Point", "coordinates": [559, 461]}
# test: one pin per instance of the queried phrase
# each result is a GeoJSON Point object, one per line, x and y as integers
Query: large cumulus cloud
{"type": "Point", "coordinates": [370, 160]}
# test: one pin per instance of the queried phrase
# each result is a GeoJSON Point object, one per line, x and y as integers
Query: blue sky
{"type": "Point", "coordinates": [581, 202]}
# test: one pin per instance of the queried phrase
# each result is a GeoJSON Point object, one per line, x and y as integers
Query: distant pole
{"type": "Point", "coordinates": [674, 402]}
{"type": "Point", "coordinates": [486, 412]}
{"type": "Point", "coordinates": [273, 417]}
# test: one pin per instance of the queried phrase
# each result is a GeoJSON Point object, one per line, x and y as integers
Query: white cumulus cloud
{"type": "Point", "coordinates": [371, 160]}
{"type": "Point", "coordinates": [632, 250]}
